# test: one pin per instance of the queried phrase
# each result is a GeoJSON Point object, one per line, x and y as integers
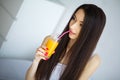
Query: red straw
{"type": "Point", "coordinates": [63, 34]}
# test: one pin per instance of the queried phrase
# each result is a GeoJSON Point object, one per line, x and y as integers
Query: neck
{"type": "Point", "coordinates": [70, 44]}
{"type": "Point", "coordinates": [65, 58]}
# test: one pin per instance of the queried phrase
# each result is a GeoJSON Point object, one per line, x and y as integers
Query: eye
{"type": "Point", "coordinates": [81, 23]}
{"type": "Point", "coordinates": [73, 17]}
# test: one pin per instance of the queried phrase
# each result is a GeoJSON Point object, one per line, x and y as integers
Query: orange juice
{"type": "Point", "coordinates": [51, 45]}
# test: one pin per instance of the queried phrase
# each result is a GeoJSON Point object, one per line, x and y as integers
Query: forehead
{"type": "Point", "coordinates": [80, 14]}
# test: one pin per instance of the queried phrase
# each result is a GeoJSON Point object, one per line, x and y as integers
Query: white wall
{"type": "Point", "coordinates": [8, 11]}
{"type": "Point", "coordinates": [35, 20]}
{"type": "Point", "coordinates": [108, 47]}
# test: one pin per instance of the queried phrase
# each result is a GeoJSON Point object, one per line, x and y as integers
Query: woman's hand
{"type": "Point", "coordinates": [41, 53]}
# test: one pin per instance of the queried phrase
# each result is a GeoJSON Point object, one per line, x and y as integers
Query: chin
{"type": "Point", "coordinates": [72, 37]}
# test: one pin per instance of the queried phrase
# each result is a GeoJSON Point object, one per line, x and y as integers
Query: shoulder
{"type": "Point", "coordinates": [93, 63]}
{"type": "Point", "coordinates": [95, 59]}
{"type": "Point", "coordinates": [90, 67]}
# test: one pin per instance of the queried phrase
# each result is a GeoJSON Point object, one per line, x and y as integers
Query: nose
{"type": "Point", "coordinates": [74, 25]}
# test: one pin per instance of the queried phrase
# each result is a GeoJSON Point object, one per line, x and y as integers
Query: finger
{"type": "Point", "coordinates": [38, 53]}
{"type": "Point", "coordinates": [45, 58]}
{"type": "Point", "coordinates": [44, 47]}
{"type": "Point", "coordinates": [41, 55]}
{"type": "Point", "coordinates": [41, 50]}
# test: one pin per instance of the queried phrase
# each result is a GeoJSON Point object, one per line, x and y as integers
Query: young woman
{"type": "Point", "coordinates": [73, 59]}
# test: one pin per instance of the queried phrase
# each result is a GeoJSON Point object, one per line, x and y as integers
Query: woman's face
{"type": "Point", "coordinates": [76, 23]}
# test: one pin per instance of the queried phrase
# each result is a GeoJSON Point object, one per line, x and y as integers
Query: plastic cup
{"type": "Point", "coordinates": [51, 44]}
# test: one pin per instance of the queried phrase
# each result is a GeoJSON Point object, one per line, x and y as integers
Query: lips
{"type": "Point", "coordinates": [71, 32]}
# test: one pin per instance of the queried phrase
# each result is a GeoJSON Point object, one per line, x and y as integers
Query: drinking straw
{"type": "Point", "coordinates": [63, 34]}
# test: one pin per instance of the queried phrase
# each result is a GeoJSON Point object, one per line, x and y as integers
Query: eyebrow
{"type": "Point", "coordinates": [76, 18]}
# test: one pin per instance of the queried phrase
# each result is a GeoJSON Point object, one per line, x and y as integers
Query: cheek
{"type": "Point", "coordinates": [71, 23]}
{"type": "Point", "coordinates": [78, 30]}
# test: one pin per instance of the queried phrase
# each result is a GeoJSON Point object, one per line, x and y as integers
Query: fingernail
{"type": "Point", "coordinates": [46, 53]}
{"type": "Point", "coordinates": [46, 58]}
{"type": "Point", "coordinates": [47, 49]}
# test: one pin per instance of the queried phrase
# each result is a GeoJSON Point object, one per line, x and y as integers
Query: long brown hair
{"type": "Point", "coordinates": [80, 52]}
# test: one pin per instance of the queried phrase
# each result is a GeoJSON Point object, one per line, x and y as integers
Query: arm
{"type": "Point", "coordinates": [32, 70]}
{"type": "Point", "coordinates": [90, 67]}
{"type": "Point", "coordinates": [30, 74]}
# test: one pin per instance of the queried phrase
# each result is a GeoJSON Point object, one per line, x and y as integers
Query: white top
{"type": "Point", "coordinates": [57, 72]}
